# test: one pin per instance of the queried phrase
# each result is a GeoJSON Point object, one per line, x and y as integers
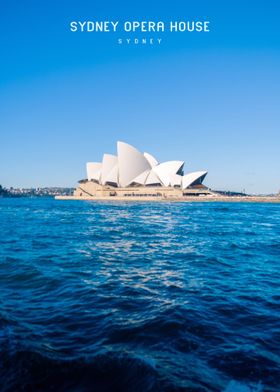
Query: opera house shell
{"type": "Point", "coordinates": [132, 173]}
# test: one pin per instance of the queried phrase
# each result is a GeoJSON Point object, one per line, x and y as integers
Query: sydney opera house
{"type": "Point", "coordinates": [132, 174]}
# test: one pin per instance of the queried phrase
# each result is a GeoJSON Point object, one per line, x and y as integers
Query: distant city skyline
{"type": "Point", "coordinates": [209, 99]}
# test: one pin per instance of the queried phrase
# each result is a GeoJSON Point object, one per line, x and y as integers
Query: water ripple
{"type": "Point", "coordinates": [139, 296]}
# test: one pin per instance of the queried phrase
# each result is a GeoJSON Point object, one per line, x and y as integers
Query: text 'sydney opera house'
{"type": "Point", "coordinates": [131, 174]}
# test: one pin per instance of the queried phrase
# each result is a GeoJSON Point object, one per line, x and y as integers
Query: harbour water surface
{"type": "Point", "coordinates": [139, 296]}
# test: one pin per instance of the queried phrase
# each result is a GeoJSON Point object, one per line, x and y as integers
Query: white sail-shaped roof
{"type": "Point", "coordinates": [141, 179]}
{"type": "Point", "coordinates": [96, 176]}
{"type": "Point", "coordinates": [176, 180]}
{"type": "Point", "coordinates": [133, 167]}
{"type": "Point", "coordinates": [108, 162]}
{"type": "Point", "coordinates": [151, 159]}
{"type": "Point", "coordinates": [166, 169]}
{"type": "Point", "coordinates": [190, 178]}
{"type": "Point", "coordinates": [131, 163]}
{"type": "Point", "coordinates": [92, 169]}
{"type": "Point", "coordinates": [152, 179]}
{"type": "Point", "coordinates": [113, 176]}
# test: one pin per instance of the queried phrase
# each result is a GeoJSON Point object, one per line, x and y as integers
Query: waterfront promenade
{"type": "Point", "coordinates": [186, 199]}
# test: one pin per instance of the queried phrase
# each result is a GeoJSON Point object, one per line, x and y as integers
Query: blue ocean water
{"type": "Point", "coordinates": [139, 296]}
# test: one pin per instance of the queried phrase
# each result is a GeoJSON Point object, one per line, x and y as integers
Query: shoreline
{"type": "Point", "coordinates": [187, 199]}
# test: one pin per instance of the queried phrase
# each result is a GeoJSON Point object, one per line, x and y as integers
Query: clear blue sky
{"type": "Point", "coordinates": [211, 99]}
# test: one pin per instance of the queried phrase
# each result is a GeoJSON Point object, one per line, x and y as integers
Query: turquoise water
{"type": "Point", "coordinates": [139, 296]}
